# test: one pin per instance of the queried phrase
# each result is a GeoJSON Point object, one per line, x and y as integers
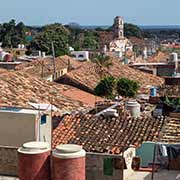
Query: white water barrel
{"type": "Point", "coordinates": [134, 108]}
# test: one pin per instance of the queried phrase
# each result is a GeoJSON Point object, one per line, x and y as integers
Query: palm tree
{"type": "Point", "coordinates": [103, 63]}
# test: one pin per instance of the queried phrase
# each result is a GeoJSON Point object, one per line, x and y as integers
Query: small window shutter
{"type": "Point", "coordinates": [43, 119]}
{"type": "Point", "coordinates": [108, 166]}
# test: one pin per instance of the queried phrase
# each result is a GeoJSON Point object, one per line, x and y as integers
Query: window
{"type": "Point", "coordinates": [80, 56]}
{"type": "Point", "coordinates": [43, 119]}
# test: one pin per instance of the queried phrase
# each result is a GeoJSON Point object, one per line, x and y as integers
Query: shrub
{"type": "Point", "coordinates": [106, 87]}
{"type": "Point", "coordinates": [126, 87]}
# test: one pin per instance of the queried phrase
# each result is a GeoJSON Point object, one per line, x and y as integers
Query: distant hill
{"type": "Point", "coordinates": [166, 27]}
{"type": "Point", "coordinates": [143, 27]}
{"type": "Point", "coordinates": [95, 26]}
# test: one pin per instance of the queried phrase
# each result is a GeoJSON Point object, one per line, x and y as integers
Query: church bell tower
{"type": "Point", "coordinates": [118, 27]}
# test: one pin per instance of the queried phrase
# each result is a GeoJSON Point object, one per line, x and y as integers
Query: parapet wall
{"type": "Point", "coordinates": [96, 170]}
{"type": "Point", "coordinates": [8, 161]}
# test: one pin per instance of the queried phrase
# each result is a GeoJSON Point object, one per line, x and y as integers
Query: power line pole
{"type": "Point", "coordinates": [53, 54]}
{"type": "Point", "coordinates": [42, 68]}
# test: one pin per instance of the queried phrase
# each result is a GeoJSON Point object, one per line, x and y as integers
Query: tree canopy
{"type": "Point", "coordinates": [105, 87]}
{"type": "Point", "coordinates": [102, 62]}
{"type": "Point", "coordinates": [12, 34]}
{"type": "Point", "coordinates": [55, 33]}
{"type": "Point", "coordinates": [132, 30]}
{"type": "Point", "coordinates": [126, 87]}
{"type": "Point", "coordinates": [109, 87]}
{"type": "Point", "coordinates": [40, 38]}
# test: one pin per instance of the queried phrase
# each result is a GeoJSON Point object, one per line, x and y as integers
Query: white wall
{"type": "Point", "coordinates": [17, 128]}
{"type": "Point", "coordinates": [80, 55]}
{"type": "Point", "coordinates": [46, 130]}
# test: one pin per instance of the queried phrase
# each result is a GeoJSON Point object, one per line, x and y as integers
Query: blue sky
{"type": "Point", "coordinates": [91, 12]}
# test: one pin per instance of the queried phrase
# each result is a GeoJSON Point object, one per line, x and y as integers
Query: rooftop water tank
{"type": "Point", "coordinates": [68, 162]}
{"type": "Point", "coordinates": [34, 161]}
{"type": "Point", "coordinates": [134, 108]}
{"type": "Point", "coordinates": [153, 91]}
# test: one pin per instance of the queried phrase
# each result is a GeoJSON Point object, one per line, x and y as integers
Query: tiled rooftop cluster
{"type": "Point", "coordinates": [137, 41]}
{"type": "Point", "coordinates": [44, 67]}
{"type": "Point", "coordinates": [119, 70]}
{"type": "Point", "coordinates": [97, 134]}
{"type": "Point", "coordinates": [160, 57]}
{"type": "Point", "coordinates": [171, 131]}
{"type": "Point", "coordinates": [88, 76]}
{"type": "Point", "coordinates": [78, 95]}
{"type": "Point", "coordinates": [17, 89]}
{"type": "Point", "coordinates": [168, 90]}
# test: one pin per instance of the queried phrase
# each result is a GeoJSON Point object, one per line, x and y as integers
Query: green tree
{"type": "Point", "coordinates": [126, 87]}
{"type": "Point", "coordinates": [12, 34]}
{"type": "Point", "coordinates": [7, 32]}
{"type": "Point", "coordinates": [102, 63]}
{"type": "Point", "coordinates": [55, 33]}
{"type": "Point", "coordinates": [132, 30]}
{"type": "Point", "coordinates": [91, 41]}
{"type": "Point", "coordinates": [76, 37]}
{"type": "Point", "coordinates": [106, 87]}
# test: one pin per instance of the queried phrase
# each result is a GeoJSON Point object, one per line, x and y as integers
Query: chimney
{"type": "Point", "coordinates": [68, 162]}
{"type": "Point", "coordinates": [34, 161]}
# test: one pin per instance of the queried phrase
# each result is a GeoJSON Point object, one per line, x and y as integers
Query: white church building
{"type": "Point", "coordinates": [120, 44]}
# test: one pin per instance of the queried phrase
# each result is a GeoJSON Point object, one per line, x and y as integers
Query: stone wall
{"type": "Point", "coordinates": [8, 161]}
{"type": "Point", "coordinates": [95, 167]}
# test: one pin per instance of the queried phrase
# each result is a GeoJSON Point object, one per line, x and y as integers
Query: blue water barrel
{"type": "Point", "coordinates": [153, 91]}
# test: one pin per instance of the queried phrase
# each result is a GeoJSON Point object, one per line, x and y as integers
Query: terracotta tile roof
{"type": "Point", "coordinates": [17, 89]}
{"type": "Point", "coordinates": [171, 131]}
{"type": "Point", "coordinates": [137, 41]}
{"type": "Point", "coordinates": [79, 95]}
{"type": "Point", "coordinates": [3, 70]}
{"type": "Point", "coordinates": [88, 76]}
{"type": "Point", "coordinates": [96, 134]}
{"type": "Point", "coordinates": [44, 67]}
{"type": "Point", "coordinates": [73, 63]}
{"type": "Point", "coordinates": [160, 57]}
{"type": "Point", "coordinates": [40, 67]}
{"type": "Point", "coordinates": [144, 79]}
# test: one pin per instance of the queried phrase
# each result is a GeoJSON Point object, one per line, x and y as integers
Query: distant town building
{"type": "Point", "coordinates": [104, 39]}
{"type": "Point", "coordinates": [80, 55]}
{"type": "Point", "coordinates": [120, 44]}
